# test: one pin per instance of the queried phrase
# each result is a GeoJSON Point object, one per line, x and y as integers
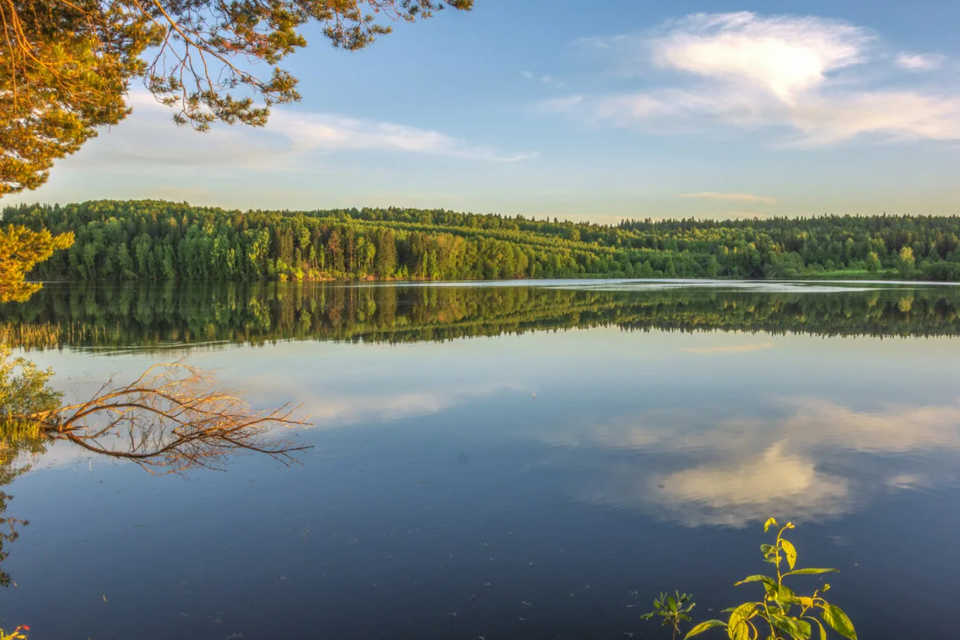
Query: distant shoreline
{"type": "Point", "coordinates": [150, 240]}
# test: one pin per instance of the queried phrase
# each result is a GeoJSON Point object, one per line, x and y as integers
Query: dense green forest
{"type": "Point", "coordinates": [175, 317]}
{"type": "Point", "coordinates": [160, 241]}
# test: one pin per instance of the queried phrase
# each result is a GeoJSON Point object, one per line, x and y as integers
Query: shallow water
{"type": "Point", "coordinates": [523, 461]}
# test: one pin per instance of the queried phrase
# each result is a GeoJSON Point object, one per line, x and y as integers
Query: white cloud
{"type": "Point", "coordinates": [799, 75]}
{"type": "Point", "coordinates": [918, 61]}
{"type": "Point", "coordinates": [785, 55]}
{"type": "Point", "coordinates": [740, 197]}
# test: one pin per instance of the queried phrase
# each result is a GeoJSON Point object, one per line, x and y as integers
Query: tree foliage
{"type": "Point", "coordinates": [63, 73]}
{"type": "Point", "coordinates": [20, 250]}
{"type": "Point", "coordinates": [67, 65]}
{"type": "Point", "coordinates": [155, 240]}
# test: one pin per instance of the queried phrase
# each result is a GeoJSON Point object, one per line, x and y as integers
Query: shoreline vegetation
{"type": "Point", "coordinates": [152, 240]}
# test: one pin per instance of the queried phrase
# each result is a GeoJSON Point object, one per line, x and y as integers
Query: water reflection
{"type": "Point", "coordinates": [565, 469]}
{"type": "Point", "coordinates": [170, 419]}
{"type": "Point", "coordinates": [165, 317]}
{"type": "Point", "coordinates": [804, 458]}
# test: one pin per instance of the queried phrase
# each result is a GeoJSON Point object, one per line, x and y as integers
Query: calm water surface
{"type": "Point", "coordinates": [501, 461]}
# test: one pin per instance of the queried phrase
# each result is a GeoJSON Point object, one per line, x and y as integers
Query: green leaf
{"type": "Point", "coordinates": [838, 620]}
{"type": "Point", "coordinates": [742, 632]}
{"type": "Point", "coordinates": [796, 628]}
{"type": "Point", "coordinates": [771, 522]}
{"type": "Point", "coordinates": [783, 594]}
{"type": "Point", "coordinates": [790, 552]}
{"type": "Point", "coordinates": [704, 626]}
{"type": "Point", "coordinates": [647, 616]}
{"type": "Point", "coordinates": [755, 578]}
{"type": "Point", "coordinates": [767, 549]}
{"type": "Point", "coordinates": [736, 627]}
{"type": "Point", "coordinates": [823, 632]}
{"type": "Point", "coordinates": [672, 602]}
{"type": "Point", "coordinates": [809, 571]}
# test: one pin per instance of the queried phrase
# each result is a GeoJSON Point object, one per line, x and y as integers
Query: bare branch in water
{"type": "Point", "coordinates": [171, 419]}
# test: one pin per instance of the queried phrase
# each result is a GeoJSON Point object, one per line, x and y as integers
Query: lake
{"type": "Point", "coordinates": [501, 460]}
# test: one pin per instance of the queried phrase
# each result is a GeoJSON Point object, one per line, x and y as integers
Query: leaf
{"type": "Point", "coordinates": [790, 552]}
{"type": "Point", "coordinates": [782, 594]}
{"type": "Point", "coordinates": [839, 621]}
{"type": "Point", "coordinates": [754, 578]}
{"type": "Point", "coordinates": [736, 628]}
{"type": "Point", "coordinates": [796, 628]}
{"type": "Point", "coordinates": [704, 626]}
{"type": "Point", "coordinates": [743, 632]}
{"type": "Point", "coordinates": [809, 571]}
{"type": "Point", "coordinates": [647, 616]}
{"type": "Point", "coordinates": [767, 549]}
{"type": "Point", "coordinates": [823, 632]}
{"type": "Point", "coordinates": [771, 522]}
{"type": "Point", "coordinates": [672, 602]}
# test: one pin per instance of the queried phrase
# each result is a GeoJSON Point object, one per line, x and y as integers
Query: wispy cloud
{"type": "Point", "coordinates": [799, 75]}
{"type": "Point", "coordinates": [738, 197]}
{"type": "Point", "coordinates": [735, 348]}
{"type": "Point", "coordinates": [148, 137]}
{"type": "Point", "coordinates": [327, 132]}
{"type": "Point", "coordinates": [542, 79]}
{"type": "Point", "coordinates": [919, 61]}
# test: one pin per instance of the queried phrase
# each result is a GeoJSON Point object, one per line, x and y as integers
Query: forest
{"type": "Point", "coordinates": [166, 241]}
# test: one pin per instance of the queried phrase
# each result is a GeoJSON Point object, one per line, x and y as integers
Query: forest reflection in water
{"type": "Point", "coordinates": [543, 463]}
{"type": "Point", "coordinates": [170, 316]}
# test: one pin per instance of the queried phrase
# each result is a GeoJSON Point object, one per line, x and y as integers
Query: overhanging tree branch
{"type": "Point", "coordinates": [67, 65]}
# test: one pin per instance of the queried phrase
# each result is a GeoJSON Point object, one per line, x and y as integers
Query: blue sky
{"type": "Point", "coordinates": [580, 110]}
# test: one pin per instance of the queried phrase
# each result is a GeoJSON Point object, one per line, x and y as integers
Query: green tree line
{"type": "Point", "coordinates": [162, 241]}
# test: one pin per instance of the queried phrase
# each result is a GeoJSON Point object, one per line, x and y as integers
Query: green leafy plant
{"type": "Point", "coordinates": [673, 609]}
{"type": "Point", "coordinates": [781, 614]}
